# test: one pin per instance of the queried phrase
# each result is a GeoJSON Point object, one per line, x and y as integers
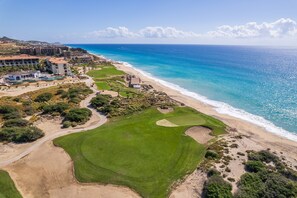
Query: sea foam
{"type": "Point", "coordinates": [221, 107]}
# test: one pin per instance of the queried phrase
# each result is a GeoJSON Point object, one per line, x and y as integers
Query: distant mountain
{"type": "Point", "coordinates": [6, 39]}
{"type": "Point", "coordinates": [30, 42]}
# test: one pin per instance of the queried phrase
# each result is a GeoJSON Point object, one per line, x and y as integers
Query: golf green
{"type": "Point", "coordinates": [133, 151]}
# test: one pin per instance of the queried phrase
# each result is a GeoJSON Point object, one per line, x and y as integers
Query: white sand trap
{"type": "Point", "coordinates": [200, 134]}
{"type": "Point", "coordinates": [48, 172]}
{"type": "Point", "coordinates": [165, 111]}
{"type": "Point", "coordinates": [112, 93]}
{"type": "Point", "coordinates": [166, 123]}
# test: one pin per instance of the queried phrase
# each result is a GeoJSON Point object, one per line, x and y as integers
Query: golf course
{"type": "Point", "coordinates": [105, 71]}
{"type": "Point", "coordinates": [7, 187]}
{"type": "Point", "coordinates": [133, 151]}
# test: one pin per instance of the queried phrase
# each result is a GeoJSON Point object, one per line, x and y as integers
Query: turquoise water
{"type": "Point", "coordinates": [257, 84]}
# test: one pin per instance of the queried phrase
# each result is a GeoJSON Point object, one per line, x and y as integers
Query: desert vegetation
{"type": "Point", "coordinates": [266, 176]}
{"type": "Point", "coordinates": [60, 101]}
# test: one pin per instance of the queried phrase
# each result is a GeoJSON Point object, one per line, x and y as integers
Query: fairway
{"type": "Point", "coordinates": [104, 72]}
{"type": "Point", "coordinates": [133, 151]}
{"type": "Point", "coordinates": [7, 187]}
{"type": "Point", "coordinates": [187, 120]}
{"type": "Point", "coordinates": [101, 85]}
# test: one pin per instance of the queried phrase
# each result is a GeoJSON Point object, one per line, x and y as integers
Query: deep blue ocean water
{"type": "Point", "coordinates": [258, 84]}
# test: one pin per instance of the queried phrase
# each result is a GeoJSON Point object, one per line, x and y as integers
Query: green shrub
{"type": "Point", "coordinates": [267, 181]}
{"type": "Point", "coordinates": [99, 101]}
{"type": "Point", "coordinates": [59, 108]}
{"type": "Point", "coordinates": [263, 156]}
{"type": "Point", "coordinates": [250, 185]}
{"type": "Point", "coordinates": [12, 115]}
{"type": "Point", "coordinates": [217, 187]}
{"type": "Point", "coordinates": [67, 124]}
{"type": "Point", "coordinates": [44, 97]}
{"type": "Point", "coordinates": [60, 92]}
{"type": "Point", "coordinates": [9, 112]}
{"type": "Point", "coordinates": [230, 179]}
{"type": "Point", "coordinates": [277, 185]}
{"type": "Point", "coordinates": [79, 115]}
{"type": "Point", "coordinates": [77, 91]}
{"type": "Point", "coordinates": [74, 100]}
{"type": "Point", "coordinates": [29, 110]}
{"type": "Point", "coordinates": [20, 134]}
{"type": "Point", "coordinates": [213, 172]}
{"type": "Point", "coordinates": [16, 123]}
{"type": "Point", "coordinates": [254, 166]}
{"type": "Point", "coordinates": [17, 99]}
{"type": "Point", "coordinates": [210, 154]}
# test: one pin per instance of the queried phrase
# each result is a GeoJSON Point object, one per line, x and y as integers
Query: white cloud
{"type": "Point", "coordinates": [147, 32]}
{"type": "Point", "coordinates": [110, 32]}
{"type": "Point", "coordinates": [165, 32]}
{"type": "Point", "coordinates": [277, 29]}
{"type": "Point", "coordinates": [284, 27]}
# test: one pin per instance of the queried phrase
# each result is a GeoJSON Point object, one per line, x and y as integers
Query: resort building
{"type": "Point", "coordinates": [21, 60]}
{"type": "Point", "coordinates": [44, 50]}
{"type": "Point", "coordinates": [59, 66]}
{"type": "Point", "coordinates": [82, 59]}
{"type": "Point", "coordinates": [17, 76]}
{"type": "Point", "coordinates": [135, 83]}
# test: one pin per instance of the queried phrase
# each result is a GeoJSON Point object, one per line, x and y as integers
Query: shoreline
{"type": "Point", "coordinates": [220, 107]}
{"type": "Point", "coordinates": [258, 134]}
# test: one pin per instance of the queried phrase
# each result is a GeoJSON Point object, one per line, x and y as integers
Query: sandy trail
{"type": "Point", "coordinates": [192, 186]}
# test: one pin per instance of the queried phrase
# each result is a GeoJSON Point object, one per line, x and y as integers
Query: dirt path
{"type": "Point", "coordinates": [85, 103]}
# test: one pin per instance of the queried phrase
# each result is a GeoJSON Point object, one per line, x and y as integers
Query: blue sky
{"type": "Point", "coordinates": [153, 21]}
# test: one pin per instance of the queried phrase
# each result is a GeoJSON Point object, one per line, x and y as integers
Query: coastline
{"type": "Point", "coordinates": [259, 135]}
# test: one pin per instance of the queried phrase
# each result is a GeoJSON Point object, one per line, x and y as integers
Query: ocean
{"type": "Point", "coordinates": [256, 84]}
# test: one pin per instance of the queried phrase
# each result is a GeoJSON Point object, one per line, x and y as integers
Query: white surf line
{"type": "Point", "coordinates": [220, 107]}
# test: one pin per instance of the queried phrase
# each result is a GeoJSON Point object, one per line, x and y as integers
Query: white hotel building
{"type": "Point", "coordinates": [20, 60]}
{"type": "Point", "coordinates": [59, 66]}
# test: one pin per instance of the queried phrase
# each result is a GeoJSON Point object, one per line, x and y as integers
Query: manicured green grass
{"type": "Point", "coordinates": [196, 118]}
{"type": "Point", "coordinates": [101, 85]}
{"type": "Point", "coordinates": [133, 151]}
{"type": "Point", "coordinates": [187, 120]}
{"type": "Point", "coordinates": [7, 187]}
{"type": "Point", "coordinates": [104, 72]}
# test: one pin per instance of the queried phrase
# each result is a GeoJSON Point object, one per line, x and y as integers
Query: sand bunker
{"type": "Point", "coordinates": [112, 93]}
{"type": "Point", "coordinates": [166, 123]}
{"type": "Point", "coordinates": [165, 111]}
{"type": "Point", "coordinates": [48, 172]}
{"type": "Point", "coordinates": [200, 134]}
